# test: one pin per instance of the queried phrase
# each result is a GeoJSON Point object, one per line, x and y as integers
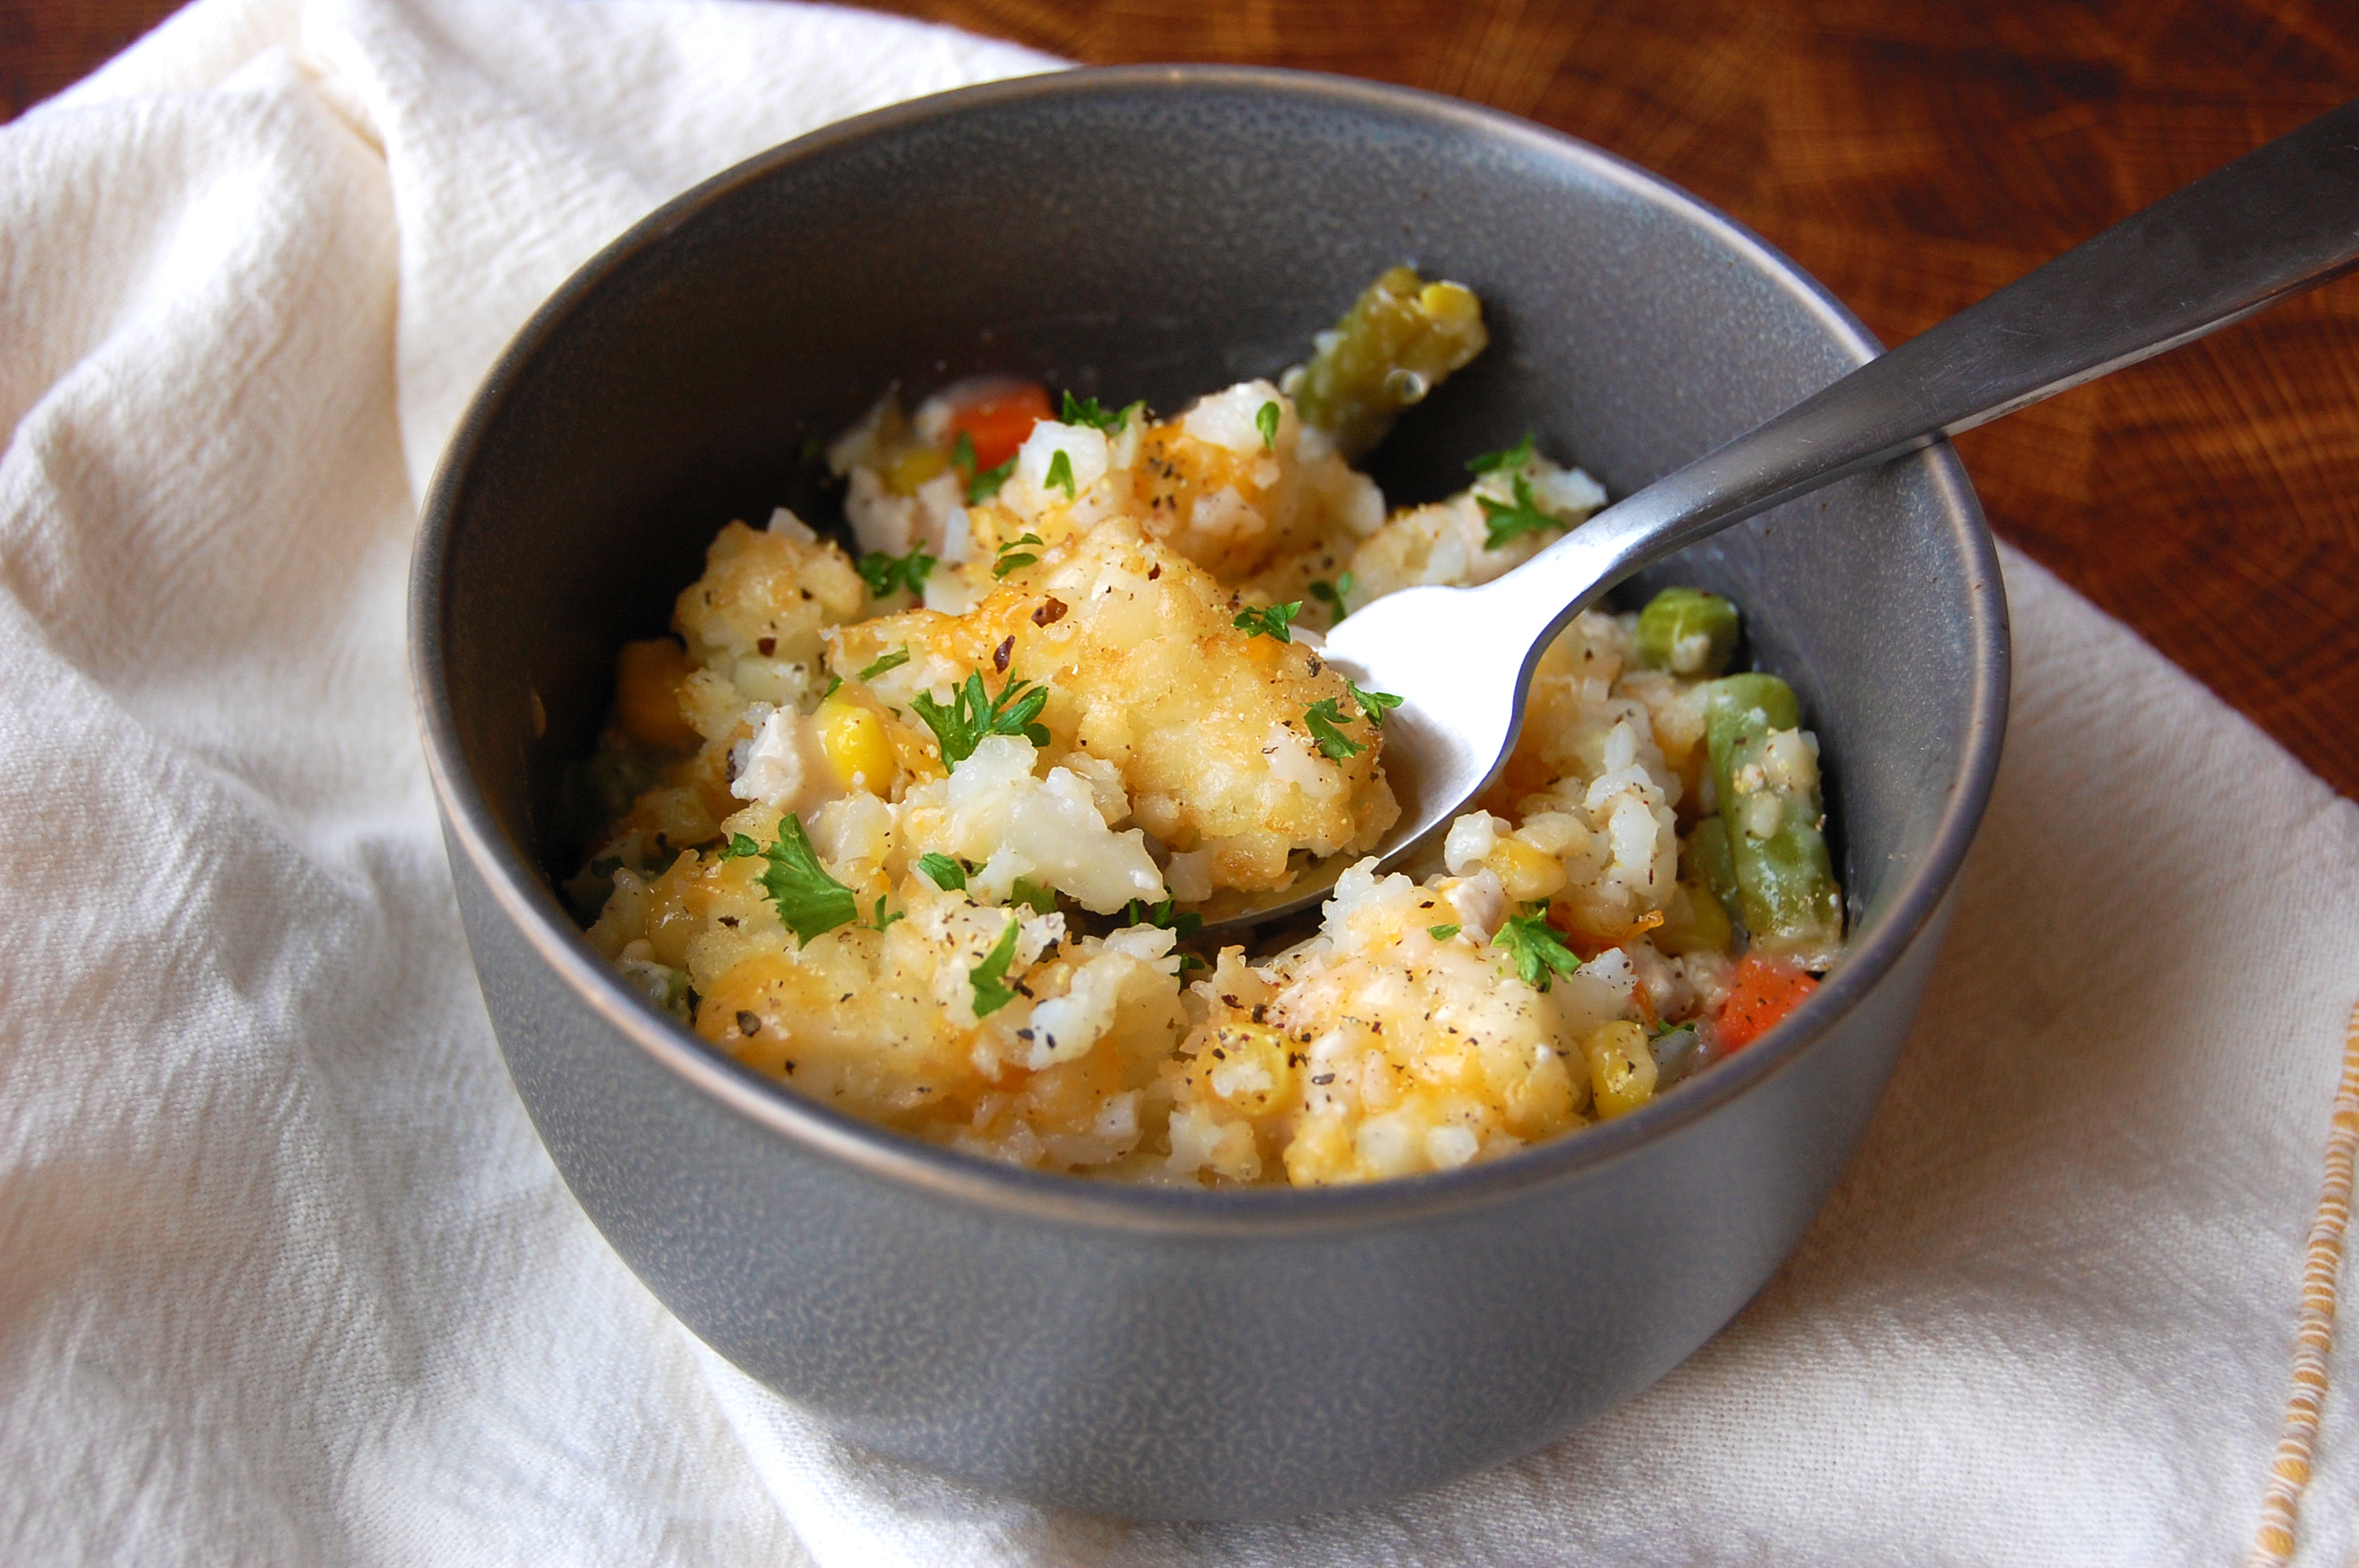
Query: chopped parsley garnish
{"type": "Point", "coordinates": [884, 573]}
{"type": "Point", "coordinates": [1540, 953]}
{"type": "Point", "coordinates": [972, 714]}
{"type": "Point", "coordinates": [1271, 622]}
{"type": "Point", "coordinates": [1139, 911]}
{"type": "Point", "coordinates": [1517, 457]}
{"type": "Point", "coordinates": [962, 456]}
{"type": "Point", "coordinates": [892, 661]}
{"type": "Point", "coordinates": [1505, 521]}
{"type": "Point", "coordinates": [834, 686]}
{"type": "Point", "coordinates": [986, 484]}
{"type": "Point", "coordinates": [989, 978]}
{"type": "Point", "coordinates": [1266, 421]}
{"type": "Point", "coordinates": [1088, 411]}
{"type": "Point", "coordinates": [1442, 933]}
{"type": "Point", "coordinates": [946, 873]}
{"type": "Point", "coordinates": [1061, 473]}
{"type": "Point", "coordinates": [1322, 718]}
{"type": "Point", "coordinates": [810, 901]}
{"type": "Point", "coordinates": [881, 920]}
{"type": "Point", "coordinates": [1374, 704]}
{"type": "Point", "coordinates": [1013, 556]}
{"type": "Point", "coordinates": [1033, 896]}
{"type": "Point", "coordinates": [1331, 594]}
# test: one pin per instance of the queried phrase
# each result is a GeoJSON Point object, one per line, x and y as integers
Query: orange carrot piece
{"type": "Point", "coordinates": [1765, 992]}
{"type": "Point", "coordinates": [998, 420]}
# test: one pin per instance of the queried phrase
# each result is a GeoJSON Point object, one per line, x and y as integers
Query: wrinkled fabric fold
{"type": "Point", "coordinates": [283, 1274]}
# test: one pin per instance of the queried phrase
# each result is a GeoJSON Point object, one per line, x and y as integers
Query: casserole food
{"type": "Point", "coordinates": [850, 864]}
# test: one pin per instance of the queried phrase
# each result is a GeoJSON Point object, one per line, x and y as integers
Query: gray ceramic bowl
{"type": "Point", "coordinates": [1156, 232]}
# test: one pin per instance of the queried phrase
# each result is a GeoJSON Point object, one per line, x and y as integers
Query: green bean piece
{"type": "Point", "coordinates": [1687, 632]}
{"type": "Point", "coordinates": [1397, 343]}
{"type": "Point", "coordinates": [1704, 862]}
{"type": "Point", "coordinates": [1767, 778]}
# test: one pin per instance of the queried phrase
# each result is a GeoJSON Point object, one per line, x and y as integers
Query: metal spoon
{"type": "Point", "coordinates": [2277, 222]}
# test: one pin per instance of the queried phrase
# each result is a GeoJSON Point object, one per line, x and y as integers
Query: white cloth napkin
{"type": "Point", "coordinates": [284, 1277]}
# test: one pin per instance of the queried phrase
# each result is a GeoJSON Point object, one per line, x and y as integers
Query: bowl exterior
{"type": "Point", "coordinates": [1161, 1374]}
{"type": "Point", "coordinates": [1169, 1354]}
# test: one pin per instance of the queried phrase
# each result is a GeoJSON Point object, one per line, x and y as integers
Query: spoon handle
{"type": "Point", "coordinates": [2282, 219]}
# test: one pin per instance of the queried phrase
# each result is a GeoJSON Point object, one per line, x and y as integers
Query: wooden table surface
{"type": "Point", "coordinates": [1915, 157]}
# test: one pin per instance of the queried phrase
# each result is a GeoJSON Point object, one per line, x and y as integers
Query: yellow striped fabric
{"type": "Point", "coordinates": [2273, 1542]}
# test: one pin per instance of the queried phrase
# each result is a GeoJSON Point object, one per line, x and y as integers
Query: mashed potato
{"type": "Point", "coordinates": [917, 831]}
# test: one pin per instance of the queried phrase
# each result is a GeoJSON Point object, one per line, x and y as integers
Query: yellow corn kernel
{"type": "Point", "coordinates": [914, 468]}
{"type": "Point", "coordinates": [1452, 306]}
{"type": "Point", "coordinates": [1621, 1068]}
{"type": "Point", "coordinates": [1526, 873]}
{"type": "Point", "coordinates": [853, 738]}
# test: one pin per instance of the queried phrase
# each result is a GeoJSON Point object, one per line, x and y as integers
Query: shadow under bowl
{"type": "Point", "coordinates": [1158, 233]}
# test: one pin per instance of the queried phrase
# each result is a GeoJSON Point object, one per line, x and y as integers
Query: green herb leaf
{"type": "Point", "coordinates": [946, 873]}
{"type": "Point", "coordinates": [884, 573]}
{"type": "Point", "coordinates": [1518, 456]}
{"type": "Point", "coordinates": [1087, 411]}
{"type": "Point", "coordinates": [1132, 411]}
{"type": "Point", "coordinates": [1442, 933]}
{"type": "Point", "coordinates": [1139, 911]}
{"type": "Point", "coordinates": [1539, 954]}
{"type": "Point", "coordinates": [1270, 623]}
{"type": "Point", "coordinates": [1266, 421]}
{"type": "Point", "coordinates": [833, 687]}
{"type": "Point", "coordinates": [1322, 718]}
{"type": "Point", "coordinates": [809, 900]}
{"type": "Point", "coordinates": [1374, 704]}
{"type": "Point", "coordinates": [1013, 556]}
{"type": "Point", "coordinates": [987, 483]}
{"type": "Point", "coordinates": [972, 714]}
{"type": "Point", "coordinates": [892, 661]}
{"type": "Point", "coordinates": [881, 920]}
{"type": "Point", "coordinates": [1505, 521]}
{"type": "Point", "coordinates": [989, 978]}
{"type": "Point", "coordinates": [1331, 594]}
{"type": "Point", "coordinates": [1061, 473]}
{"type": "Point", "coordinates": [1033, 896]}
{"type": "Point", "coordinates": [962, 456]}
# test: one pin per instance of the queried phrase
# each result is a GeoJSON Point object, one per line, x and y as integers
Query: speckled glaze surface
{"type": "Point", "coordinates": [1156, 232]}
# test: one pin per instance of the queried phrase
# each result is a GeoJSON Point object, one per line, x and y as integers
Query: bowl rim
{"type": "Point", "coordinates": [531, 909]}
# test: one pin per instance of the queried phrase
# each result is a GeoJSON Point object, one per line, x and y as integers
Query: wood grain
{"type": "Point", "coordinates": [1915, 157]}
